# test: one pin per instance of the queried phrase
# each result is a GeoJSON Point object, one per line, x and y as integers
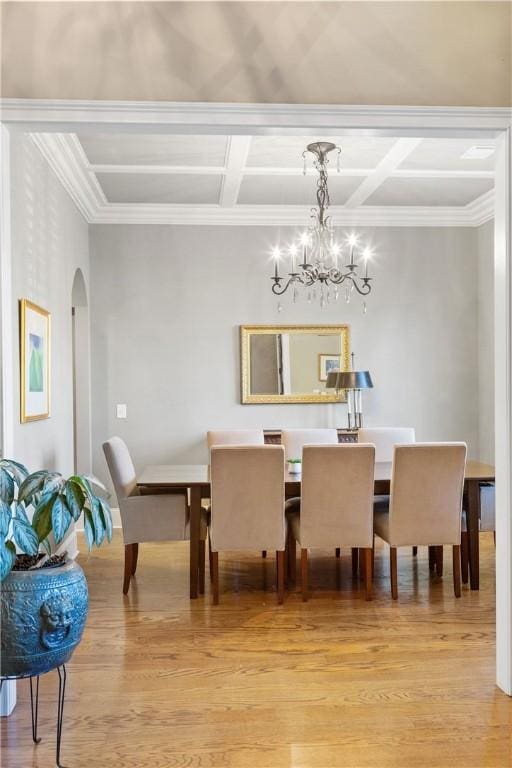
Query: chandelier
{"type": "Point", "coordinates": [322, 273]}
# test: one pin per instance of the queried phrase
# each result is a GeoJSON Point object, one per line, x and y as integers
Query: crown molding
{"type": "Point", "coordinates": [295, 216]}
{"type": "Point", "coordinates": [481, 210]}
{"type": "Point", "coordinates": [64, 155]}
{"type": "Point", "coordinates": [62, 114]}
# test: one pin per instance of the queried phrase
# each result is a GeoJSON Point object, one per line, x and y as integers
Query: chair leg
{"type": "Point", "coordinates": [280, 576]}
{"type": "Point", "coordinates": [362, 565]}
{"type": "Point", "coordinates": [464, 557]}
{"type": "Point", "coordinates": [210, 558]}
{"type": "Point", "coordinates": [263, 553]}
{"type": "Point", "coordinates": [135, 557]}
{"type": "Point", "coordinates": [128, 567]}
{"type": "Point", "coordinates": [304, 573]}
{"type": "Point", "coordinates": [414, 551]}
{"type": "Point", "coordinates": [215, 577]}
{"type": "Point", "coordinates": [456, 570]}
{"type": "Point", "coordinates": [355, 562]}
{"type": "Point", "coordinates": [431, 559]}
{"type": "Point", "coordinates": [292, 559]}
{"type": "Point", "coordinates": [368, 572]}
{"type": "Point", "coordinates": [439, 562]}
{"type": "Point", "coordinates": [338, 551]}
{"type": "Point", "coordinates": [202, 559]}
{"type": "Point", "coordinates": [373, 557]}
{"type": "Point", "coordinates": [394, 572]}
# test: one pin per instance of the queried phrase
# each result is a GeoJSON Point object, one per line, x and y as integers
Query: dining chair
{"type": "Point", "coordinates": [336, 505]}
{"type": "Point", "coordinates": [425, 503]}
{"type": "Point", "coordinates": [384, 439]}
{"type": "Point", "coordinates": [235, 437]}
{"type": "Point", "coordinates": [486, 523]}
{"type": "Point", "coordinates": [242, 477]}
{"type": "Point", "coordinates": [294, 440]}
{"type": "Point", "coordinates": [144, 518]}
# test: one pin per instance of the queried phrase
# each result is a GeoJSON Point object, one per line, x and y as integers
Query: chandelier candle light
{"type": "Point", "coordinates": [322, 255]}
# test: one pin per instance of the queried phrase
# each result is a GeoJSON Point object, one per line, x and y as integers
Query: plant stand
{"type": "Point", "coordinates": [34, 706]}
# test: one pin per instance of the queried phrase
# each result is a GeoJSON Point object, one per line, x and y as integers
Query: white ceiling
{"type": "Point", "coordinates": [131, 177]}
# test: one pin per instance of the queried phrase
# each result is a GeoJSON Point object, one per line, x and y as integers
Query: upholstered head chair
{"type": "Point", "coordinates": [336, 502]}
{"type": "Point", "coordinates": [295, 439]}
{"type": "Point", "coordinates": [425, 502]}
{"type": "Point", "coordinates": [235, 437]}
{"type": "Point", "coordinates": [247, 502]}
{"type": "Point", "coordinates": [121, 468]}
{"type": "Point", "coordinates": [143, 517]}
{"type": "Point", "coordinates": [385, 438]}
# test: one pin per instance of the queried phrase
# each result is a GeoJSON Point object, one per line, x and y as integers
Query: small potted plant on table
{"type": "Point", "coordinates": [294, 466]}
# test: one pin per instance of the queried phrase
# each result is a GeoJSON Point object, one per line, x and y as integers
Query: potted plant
{"type": "Point", "coordinates": [294, 466]}
{"type": "Point", "coordinates": [43, 596]}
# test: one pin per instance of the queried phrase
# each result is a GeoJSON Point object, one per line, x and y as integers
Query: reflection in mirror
{"type": "Point", "coordinates": [291, 363]}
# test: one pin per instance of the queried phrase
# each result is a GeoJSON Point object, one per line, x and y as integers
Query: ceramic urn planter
{"type": "Point", "coordinates": [43, 614]}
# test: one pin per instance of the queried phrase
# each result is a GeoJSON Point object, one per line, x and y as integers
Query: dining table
{"type": "Point", "coordinates": [196, 479]}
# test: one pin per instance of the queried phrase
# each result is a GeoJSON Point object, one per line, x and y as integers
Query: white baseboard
{"type": "Point", "coordinates": [7, 698]}
{"type": "Point", "coordinates": [116, 519]}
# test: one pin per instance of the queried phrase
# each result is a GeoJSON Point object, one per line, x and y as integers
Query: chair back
{"type": "Point", "coordinates": [235, 437]}
{"type": "Point", "coordinates": [385, 439]}
{"type": "Point", "coordinates": [337, 495]}
{"type": "Point", "coordinates": [426, 494]}
{"type": "Point", "coordinates": [121, 468]}
{"type": "Point", "coordinates": [247, 497]}
{"type": "Point", "coordinates": [294, 440]}
{"type": "Point", "coordinates": [487, 507]}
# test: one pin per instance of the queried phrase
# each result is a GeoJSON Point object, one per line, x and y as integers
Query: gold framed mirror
{"type": "Point", "coordinates": [290, 363]}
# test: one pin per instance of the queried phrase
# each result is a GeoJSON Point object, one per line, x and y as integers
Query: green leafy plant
{"type": "Point", "coordinates": [294, 461]}
{"type": "Point", "coordinates": [55, 503]}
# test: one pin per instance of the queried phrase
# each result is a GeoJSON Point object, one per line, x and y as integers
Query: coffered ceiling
{"type": "Point", "coordinates": [214, 179]}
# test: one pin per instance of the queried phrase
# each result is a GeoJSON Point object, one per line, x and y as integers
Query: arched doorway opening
{"type": "Point", "coordinates": [81, 376]}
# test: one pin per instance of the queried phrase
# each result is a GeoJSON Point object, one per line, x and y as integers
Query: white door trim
{"type": "Point", "coordinates": [58, 116]}
{"type": "Point", "coordinates": [7, 330]}
{"type": "Point", "coordinates": [503, 410]}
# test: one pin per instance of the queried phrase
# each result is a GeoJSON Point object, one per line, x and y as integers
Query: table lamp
{"type": "Point", "coordinates": [353, 382]}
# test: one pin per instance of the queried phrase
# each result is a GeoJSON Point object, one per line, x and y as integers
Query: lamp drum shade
{"type": "Point", "coordinates": [349, 380]}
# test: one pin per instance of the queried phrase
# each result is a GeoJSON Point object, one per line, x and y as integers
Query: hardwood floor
{"type": "Point", "coordinates": [162, 682]}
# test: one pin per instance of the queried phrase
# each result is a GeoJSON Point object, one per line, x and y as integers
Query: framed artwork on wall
{"type": "Point", "coordinates": [327, 364]}
{"type": "Point", "coordinates": [34, 362]}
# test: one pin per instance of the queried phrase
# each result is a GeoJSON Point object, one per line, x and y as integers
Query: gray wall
{"type": "Point", "coordinates": [485, 235]}
{"type": "Point", "coordinates": [167, 303]}
{"type": "Point", "coordinates": [49, 243]}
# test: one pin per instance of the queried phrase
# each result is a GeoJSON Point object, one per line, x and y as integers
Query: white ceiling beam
{"type": "Point", "coordinates": [437, 173]}
{"type": "Point", "coordinates": [209, 170]}
{"type": "Point", "coordinates": [203, 170]}
{"type": "Point", "coordinates": [236, 155]}
{"type": "Point", "coordinates": [389, 163]}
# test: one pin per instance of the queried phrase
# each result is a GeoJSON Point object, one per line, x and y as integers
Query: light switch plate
{"type": "Point", "coordinates": [121, 410]}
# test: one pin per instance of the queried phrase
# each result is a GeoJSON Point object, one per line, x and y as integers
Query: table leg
{"type": "Point", "coordinates": [195, 519]}
{"type": "Point", "coordinates": [472, 519]}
